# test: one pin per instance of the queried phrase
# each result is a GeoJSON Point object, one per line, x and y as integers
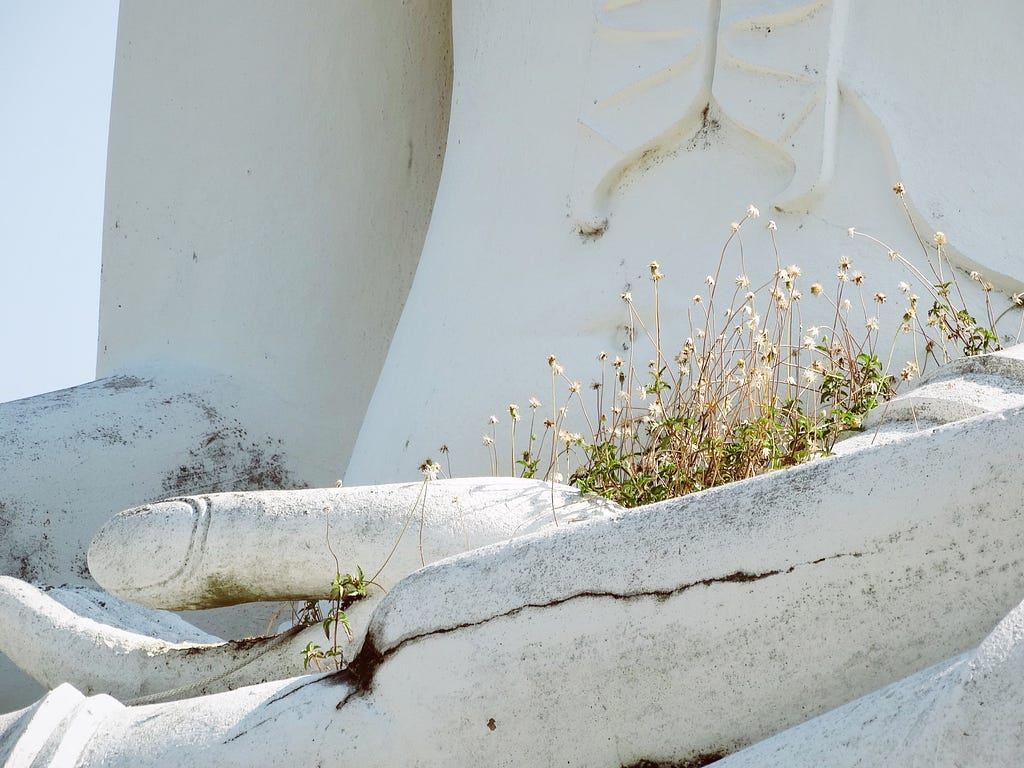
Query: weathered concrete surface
{"type": "Point", "coordinates": [69, 460]}
{"type": "Point", "coordinates": [225, 549]}
{"type": "Point", "coordinates": [963, 388]}
{"type": "Point", "coordinates": [961, 712]}
{"type": "Point", "coordinates": [646, 128]}
{"type": "Point", "coordinates": [94, 651]}
{"type": "Point", "coordinates": [230, 548]}
{"type": "Point", "coordinates": [271, 174]}
{"type": "Point", "coordinates": [675, 632]}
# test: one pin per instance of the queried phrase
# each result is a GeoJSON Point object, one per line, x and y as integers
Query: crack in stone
{"type": "Point", "coordinates": [361, 671]}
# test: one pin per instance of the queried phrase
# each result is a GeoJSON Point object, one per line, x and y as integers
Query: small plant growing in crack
{"type": "Point", "coordinates": [348, 588]}
{"type": "Point", "coordinates": [345, 590]}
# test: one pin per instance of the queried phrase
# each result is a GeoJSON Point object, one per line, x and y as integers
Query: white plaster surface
{"type": "Point", "coordinates": [580, 149]}
{"type": "Point", "coordinates": [100, 649]}
{"type": "Point", "coordinates": [665, 633]}
{"type": "Point", "coordinates": [961, 389]}
{"type": "Point", "coordinates": [270, 177]}
{"type": "Point", "coordinates": [961, 712]}
{"type": "Point", "coordinates": [252, 153]}
{"type": "Point", "coordinates": [224, 549]}
{"type": "Point", "coordinates": [71, 459]}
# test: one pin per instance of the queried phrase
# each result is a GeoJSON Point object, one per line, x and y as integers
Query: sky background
{"type": "Point", "coordinates": [56, 69]}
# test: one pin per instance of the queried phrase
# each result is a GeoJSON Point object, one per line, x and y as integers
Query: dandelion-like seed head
{"type": "Point", "coordinates": [845, 305]}
{"type": "Point", "coordinates": [1018, 299]}
{"type": "Point", "coordinates": [430, 468]}
{"type": "Point", "coordinates": [735, 226]}
{"type": "Point", "coordinates": [698, 299]}
{"type": "Point", "coordinates": [893, 255]}
{"type": "Point", "coordinates": [772, 226]}
{"type": "Point", "coordinates": [656, 273]}
{"type": "Point", "coordinates": [880, 297]}
{"type": "Point", "coordinates": [552, 360]}
{"type": "Point", "coordinates": [488, 440]}
{"type": "Point", "coordinates": [742, 281]}
{"type": "Point", "coordinates": [513, 411]}
{"type": "Point", "coordinates": [794, 270]}
{"type": "Point", "coordinates": [975, 275]}
{"type": "Point", "coordinates": [617, 363]}
{"type": "Point", "coordinates": [898, 188]}
{"type": "Point", "coordinates": [574, 387]}
{"type": "Point", "coordinates": [844, 262]}
{"type": "Point", "coordinates": [626, 296]}
{"type": "Point", "coordinates": [871, 324]}
{"type": "Point", "coordinates": [817, 289]}
{"type": "Point", "coordinates": [493, 420]}
{"type": "Point", "coordinates": [940, 239]}
{"type": "Point", "coordinates": [851, 231]}
{"type": "Point", "coordinates": [903, 286]}
{"type": "Point", "coordinates": [534, 403]}
{"type": "Point", "coordinates": [709, 280]}
{"type": "Point", "coordinates": [858, 278]}
{"type": "Point", "coordinates": [752, 212]}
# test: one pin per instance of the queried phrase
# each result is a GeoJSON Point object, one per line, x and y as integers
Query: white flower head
{"type": "Point", "coordinates": [752, 211]}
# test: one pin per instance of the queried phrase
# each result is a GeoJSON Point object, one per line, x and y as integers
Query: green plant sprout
{"type": "Point", "coordinates": [347, 588]}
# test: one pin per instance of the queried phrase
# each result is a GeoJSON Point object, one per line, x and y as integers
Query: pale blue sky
{"type": "Point", "coordinates": [56, 65]}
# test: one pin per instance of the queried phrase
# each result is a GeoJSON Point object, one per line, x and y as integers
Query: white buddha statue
{"type": "Point", "coordinates": [271, 179]}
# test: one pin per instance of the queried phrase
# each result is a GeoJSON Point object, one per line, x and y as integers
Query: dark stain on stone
{"type": "Point", "coordinates": [697, 761]}
{"type": "Point", "coordinates": [125, 382]}
{"type": "Point", "coordinates": [226, 460]}
{"type": "Point", "coordinates": [709, 126]}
